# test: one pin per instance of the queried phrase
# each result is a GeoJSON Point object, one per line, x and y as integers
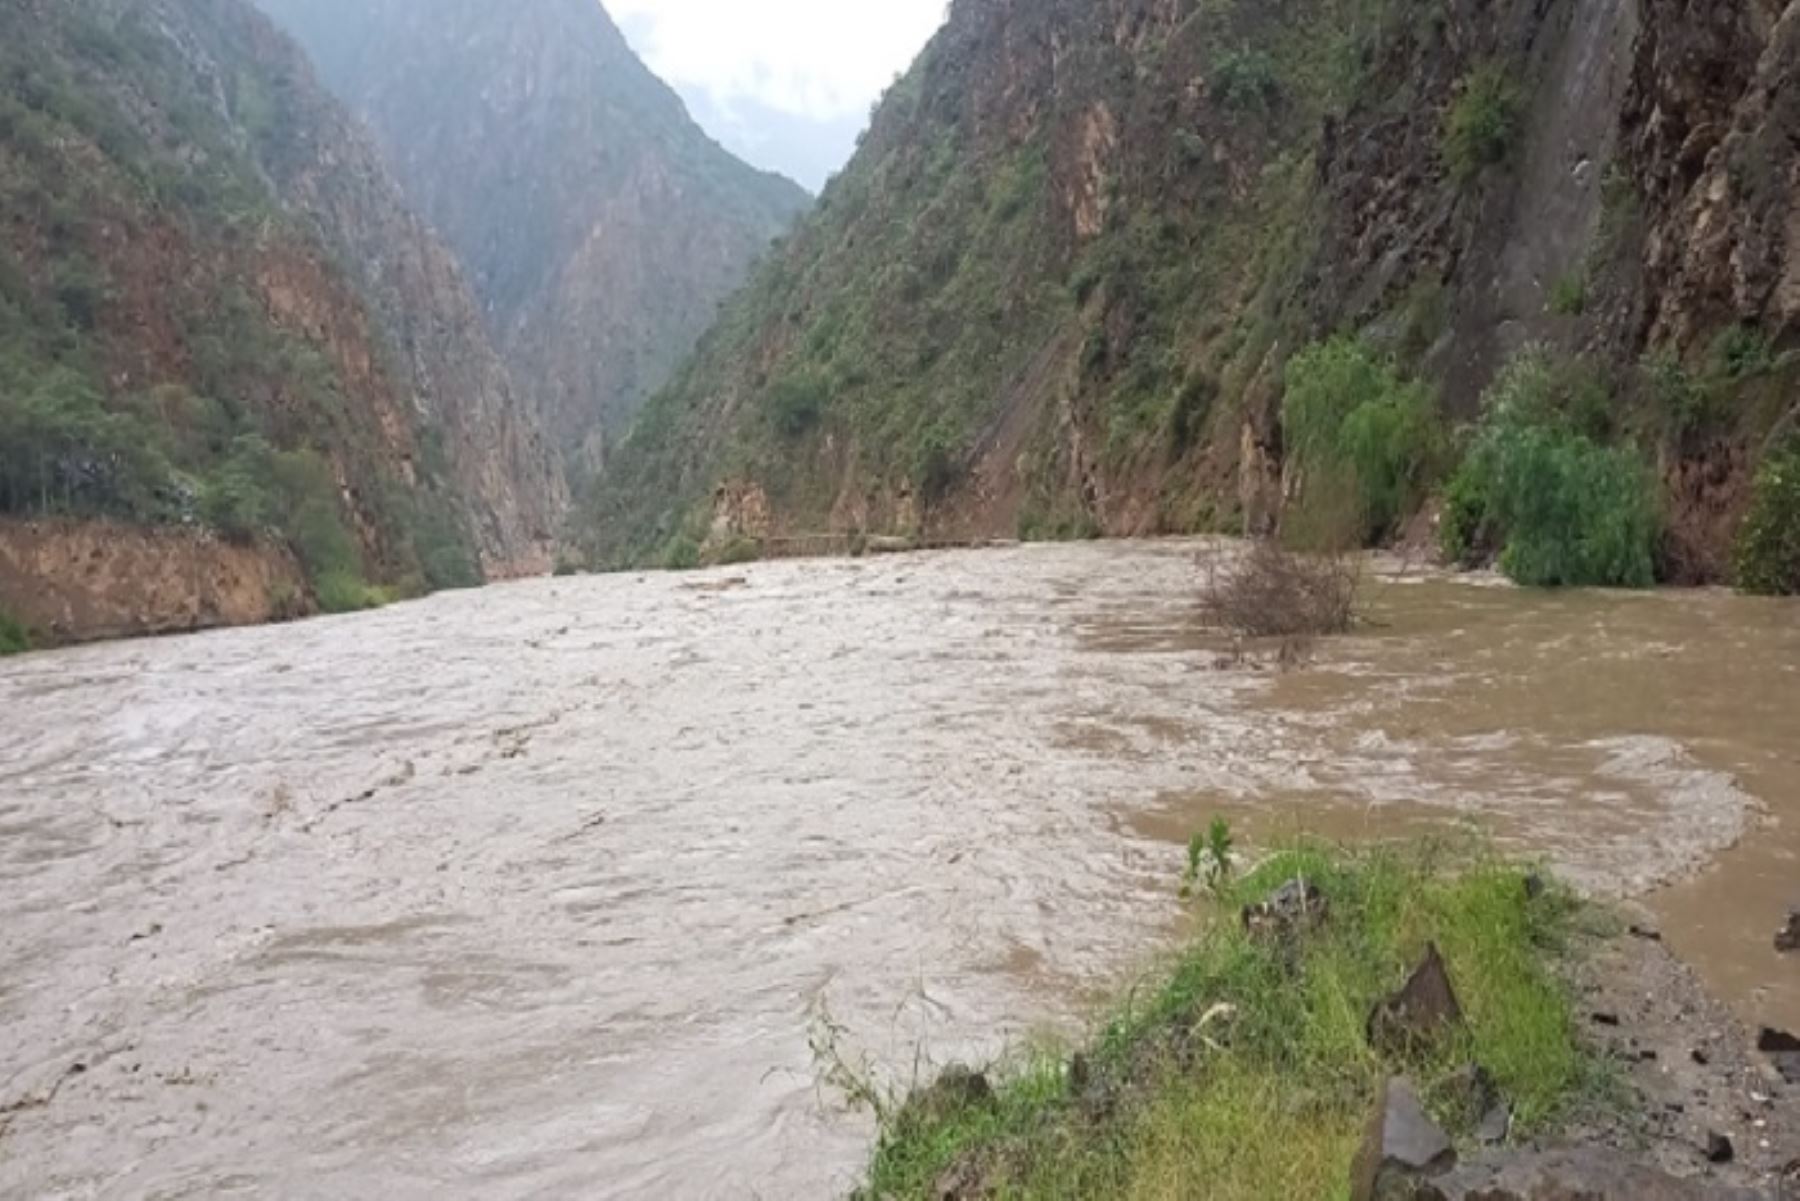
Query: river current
{"type": "Point", "coordinates": [549, 889]}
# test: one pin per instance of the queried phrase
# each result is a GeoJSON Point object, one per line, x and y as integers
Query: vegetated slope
{"type": "Point", "coordinates": [599, 226]}
{"type": "Point", "coordinates": [1058, 289]}
{"type": "Point", "coordinates": [216, 314]}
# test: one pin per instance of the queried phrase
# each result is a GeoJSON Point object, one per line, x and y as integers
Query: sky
{"type": "Point", "coordinates": [784, 84]}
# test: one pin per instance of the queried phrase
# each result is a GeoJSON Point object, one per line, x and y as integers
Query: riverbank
{"type": "Point", "coordinates": [1255, 1065]}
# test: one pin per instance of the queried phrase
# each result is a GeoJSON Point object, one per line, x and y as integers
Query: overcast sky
{"type": "Point", "coordinates": [786, 84]}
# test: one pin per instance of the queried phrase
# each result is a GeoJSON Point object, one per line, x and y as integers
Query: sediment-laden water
{"type": "Point", "coordinates": [544, 890]}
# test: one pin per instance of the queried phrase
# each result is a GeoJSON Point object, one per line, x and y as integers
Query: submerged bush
{"type": "Point", "coordinates": [1564, 509]}
{"type": "Point", "coordinates": [1350, 419]}
{"type": "Point", "coordinates": [1482, 124]}
{"type": "Point", "coordinates": [1768, 546]}
{"type": "Point", "coordinates": [1271, 592]}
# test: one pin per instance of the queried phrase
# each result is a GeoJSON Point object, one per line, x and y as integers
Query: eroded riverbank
{"type": "Point", "coordinates": [541, 888]}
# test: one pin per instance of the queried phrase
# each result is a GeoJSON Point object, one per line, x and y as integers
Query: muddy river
{"type": "Point", "coordinates": [541, 891]}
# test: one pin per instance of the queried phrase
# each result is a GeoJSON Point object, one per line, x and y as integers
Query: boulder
{"type": "Point", "coordinates": [1296, 907]}
{"type": "Point", "coordinates": [1787, 940]}
{"type": "Point", "coordinates": [1783, 1050]}
{"type": "Point", "coordinates": [1423, 1008]}
{"type": "Point", "coordinates": [1402, 1148]}
{"type": "Point", "coordinates": [1477, 1100]}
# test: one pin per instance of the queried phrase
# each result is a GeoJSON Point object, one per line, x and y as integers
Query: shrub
{"type": "Point", "coordinates": [1349, 417]}
{"type": "Point", "coordinates": [1568, 295]}
{"type": "Point", "coordinates": [1482, 124]}
{"type": "Point", "coordinates": [235, 501]}
{"type": "Point", "coordinates": [796, 403]}
{"type": "Point", "coordinates": [1565, 509]}
{"type": "Point", "coordinates": [346, 592]}
{"type": "Point", "coordinates": [441, 544]}
{"type": "Point", "coordinates": [1271, 592]}
{"type": "Point", "coordinates": [734, 552]}
{"type": "Point", "coordinates": [14, 638]}
{"type": "Point", "coordinates": [1246, 79]}
{"type": "Point", "coordinates": [1767, 557]}
{"type": "Point", "coordinates": [680, 553]}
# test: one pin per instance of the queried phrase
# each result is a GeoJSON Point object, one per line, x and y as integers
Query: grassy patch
{"type": "Point", "coordinates": [1267, 1098]}
{"type": "Point", "coordinates": [1483, 123]}
{"type": "Point", "coordinates": [15, 639]}
{"type": "Point", "coordinates": [1768, 546]}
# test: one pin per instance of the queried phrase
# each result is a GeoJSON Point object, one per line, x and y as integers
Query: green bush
{"type": "Point", "coordinates": [1568, 295]}
{"type": "Point", "coordinates": [15, 639]}
{"type": "Point", "coordinates": [236, 501]}
{"type": "Point", "coordinates": [797, 403]}
{"type": "Point", "coordinates": [1350, 418]}
{"type": "Point", "coordinates": [1564, 509]}
{"type": "Point", "coordinates": [1768, 545]}
{"type": "Point", "coordinates": [346, 592]}
{"type": "Point", "coordinates": [1246, 79]}
{"type": "Point", "coordinates": [1483, 123]}
{"type": "Point", "coordinates": [681, 553]}
{"type": "Point", "coordinates": [734, 552]}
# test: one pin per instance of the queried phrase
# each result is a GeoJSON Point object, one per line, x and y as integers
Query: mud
{"type": "Point", "coordinates": [541, 890]}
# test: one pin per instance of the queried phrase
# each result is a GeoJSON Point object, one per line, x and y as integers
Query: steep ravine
{"type": "Point", "coordinates": [599, 225]}
{"type": "Point", "coordinates": [1057, 289]}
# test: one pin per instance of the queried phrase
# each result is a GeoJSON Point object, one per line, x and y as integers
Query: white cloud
{"type": "Point", "coordinates": [820, 59]}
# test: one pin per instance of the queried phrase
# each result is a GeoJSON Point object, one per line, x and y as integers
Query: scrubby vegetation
{"type": "Point", "coordinates": [15, 639]}
{"type": "Point", "coordinates": [1482, 126]}
{"type": "Point", "coordinates": [1271, 592]}
{"type": "Point", "coordinates": [1357, 432]}
{"type": "Point", "coordinates": [1539, 484]}
{"type": "Point", "coordinates": [1245, 1071]}
{"type": "Point", "coordinates": [1768, 549]}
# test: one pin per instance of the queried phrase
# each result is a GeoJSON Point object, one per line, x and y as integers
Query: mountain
{"type": "Point", "coordinates": [234, 369]}
{"type": "Point", "coordinates": [599, 226]}
{"type": "Point", "coordinates": [1067, 280]}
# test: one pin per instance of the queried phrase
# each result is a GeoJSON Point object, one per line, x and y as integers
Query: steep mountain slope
{"type": "Point", "coordinates": [1058, 289]}
{"type": "Point", "coordinates": [217, 316]}
{"type": "Point", "coordinates": [599, 226]}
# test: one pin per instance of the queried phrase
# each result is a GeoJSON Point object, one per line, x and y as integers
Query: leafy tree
{"type": "Point", "coordinates": [1349, 416]}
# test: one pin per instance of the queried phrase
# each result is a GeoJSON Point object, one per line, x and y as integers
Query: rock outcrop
{"type": "Point", "coordinates": [1056, 290]}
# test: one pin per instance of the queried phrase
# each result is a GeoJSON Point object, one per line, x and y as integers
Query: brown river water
{"type": "Point", "coordinates": [540, 891]}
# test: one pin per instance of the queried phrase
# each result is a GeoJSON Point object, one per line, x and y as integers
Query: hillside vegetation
{"type": "Point", "coordinates": [1147, 266]}
{"type": "Point", "coordinates": [215, 314]}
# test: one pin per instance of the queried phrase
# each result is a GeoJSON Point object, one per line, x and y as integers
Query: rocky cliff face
{"type": "Point", "coordinates": [599, 226]}
{"type": "Point", "coordinates": [1056, 290]}
{"type": "Point", "coordinates": [217, 316]}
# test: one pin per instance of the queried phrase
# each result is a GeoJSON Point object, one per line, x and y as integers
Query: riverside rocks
{"type": "Point", "coordinates": [1401, 1148]}
{"type": "Point", "coordinates": [1420, 1011]}
{"type": "Point", "coordinates": [1787, 939]}
{"type": "Point", "coordinates": [1296, 907]}
{"type": "Point", "coordinates": [1783, 1050]}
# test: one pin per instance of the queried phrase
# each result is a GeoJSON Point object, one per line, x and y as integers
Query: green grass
{"type": "Point", "coordinates": [1270, 1102]}
{"type": "Point", "coordinates": [1482, 126]}
{"type": "Point", "coordinates": [15, 639]}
